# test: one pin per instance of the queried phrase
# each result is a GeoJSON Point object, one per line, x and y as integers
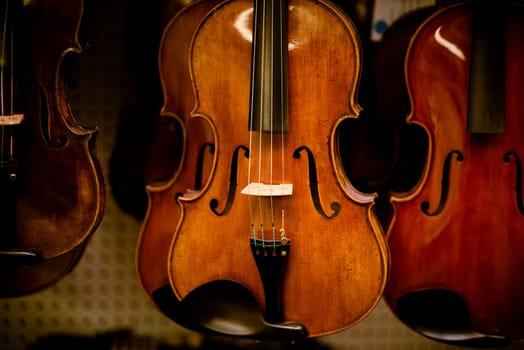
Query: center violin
{"type": "Point", "coordinates": [277, 215]}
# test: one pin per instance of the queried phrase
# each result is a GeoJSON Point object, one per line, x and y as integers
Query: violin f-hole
{"type": "Point", "coordinates": [313, 184]}
{"type": "Point", "coordinates": [518, 178]}
{"type": "Point", "coordinates": [424, 206]}
{"type": "Point", "coordinates": [61, 140]}
{"type": "Point", "coordinates": [213, 203]}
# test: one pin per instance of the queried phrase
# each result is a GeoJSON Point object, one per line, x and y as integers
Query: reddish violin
{"type": "Point", "coordinates": [277, 223]}
{"type": "Point", "coordinates": [457, 268]}
{"type": "Point", "coordinates": [163, 211]}
{"type": "Point", "coordinates": [53, 193]}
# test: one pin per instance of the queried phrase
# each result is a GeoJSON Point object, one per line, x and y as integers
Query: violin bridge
{"type": "Point", "coordinates": [13, 119]}
{"type": "Point", "coordinates": [267, 190]}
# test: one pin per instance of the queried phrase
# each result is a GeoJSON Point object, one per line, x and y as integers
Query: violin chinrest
{"type": "Point", "coordinates": [443, 315]}
{"type": "Point", "coordinates": [225, 307]}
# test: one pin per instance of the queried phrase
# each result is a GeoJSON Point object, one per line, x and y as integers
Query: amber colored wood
{"type": "Point", "coordinates": [62, 195]}
{"type": "Point", "coordinates": [337, 267]}
{"type": "Point", "coordinates": [474, 246]}
{"type": "Point", "coordinates": [163, 212]}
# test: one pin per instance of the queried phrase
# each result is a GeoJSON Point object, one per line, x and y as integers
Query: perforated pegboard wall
{"type": "Point", "coordinates": [102, 293]}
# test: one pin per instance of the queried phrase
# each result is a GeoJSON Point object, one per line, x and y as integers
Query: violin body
{"type": "Point", "coordinates": [457, 268]}
{"type": "Point", "coordinates": [163, 211]}
{"type": "Point", "coordinates": [60, 192]}
{"type": "Point", "coordinates": [333, 272]}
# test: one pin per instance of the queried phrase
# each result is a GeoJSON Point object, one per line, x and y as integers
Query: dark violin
{"type": "Point", "coordinates": [382, 152]}
{"type": "Point", "coordinates": [393, 103]}
{"type": "Point", "coordinates": [277, 219]}
{"type": "Point", "coordinates": [53, 193]}
{"type": "Point", "coordinates": [147, 146]}
{"type": "Point", "coordinates": [457, 268]}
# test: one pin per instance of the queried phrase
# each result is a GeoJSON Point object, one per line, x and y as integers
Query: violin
{"type": "Point", "coordinates": [53, 191]}
{"type": "Point", "coordinates": [457, 268]}
{"type": "Point", "coordinates": [277, 243]}
{"type": "Point", "coordinates": [162, 188]}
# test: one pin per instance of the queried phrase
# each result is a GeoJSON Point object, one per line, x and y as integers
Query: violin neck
{"type": "Point", "coordinates": [11, 56]}
{"type": "Point", "coordinates": [11, 95]}
{"type": "Point", "coordinates": [486, 106]}
{"type": "Point", "coordinates": [10, 119]}
{"type": "Point", "coordinates": [269, 91]}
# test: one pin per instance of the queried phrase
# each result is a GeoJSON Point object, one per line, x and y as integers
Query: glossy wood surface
{"type": "Point", "coordinates": [337, 267]}
{"type": "Point", "coordinates": [163, 212]}
{"type": "Point", "coordinates": [474, 245]}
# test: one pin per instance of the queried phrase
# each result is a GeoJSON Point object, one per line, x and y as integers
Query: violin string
{"type": "Point", "coordinates": [249, 176]}
{"type": "Point", "coordinates": [283, 95]}
{"type": "Point", "coordinates": [12, 64]}
{"type": "Point", "coordinates": [3, 59]}
{"type": "Point", "coordinates": [259, 197]}
{"type": "Point", "coordinates": [251, 132]}
{"type": "Point", "coordinates": [2, 97]}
